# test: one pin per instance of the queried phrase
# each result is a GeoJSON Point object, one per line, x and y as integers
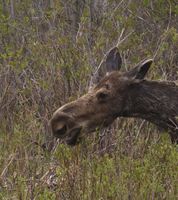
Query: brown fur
{"type": "Point", "coordinates": [119, 95]}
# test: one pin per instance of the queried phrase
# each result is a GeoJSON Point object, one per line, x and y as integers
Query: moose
{"type": "Point", "coordinates": [119, 94]}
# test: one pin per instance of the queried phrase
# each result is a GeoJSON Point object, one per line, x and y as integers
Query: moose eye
{"type": "Point", "coordinates": [102, 96]}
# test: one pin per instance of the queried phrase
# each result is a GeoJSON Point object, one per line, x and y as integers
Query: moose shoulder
{"type": "Point", "coordinates": [115, 95]}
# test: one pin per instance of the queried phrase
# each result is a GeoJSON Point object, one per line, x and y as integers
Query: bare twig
{"type": "Point", "coordinates": [11, 158]}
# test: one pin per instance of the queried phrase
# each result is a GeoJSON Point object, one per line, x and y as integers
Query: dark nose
{"type": "Point", "coordinates": [59, 124]}
{"type": "Point", "coordinates": [60, 131]}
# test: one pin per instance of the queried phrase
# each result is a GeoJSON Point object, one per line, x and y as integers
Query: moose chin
{"type": "Point", "coordinates": [118, 94]}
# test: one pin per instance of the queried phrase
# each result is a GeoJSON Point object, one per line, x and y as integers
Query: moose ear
{"type": "Point", "coordinates": [140, 71]}
{"type": "Point", "coordinates": [112, 62]}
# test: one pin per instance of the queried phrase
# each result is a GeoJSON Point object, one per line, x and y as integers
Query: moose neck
{"type": "Point", "coordinates": [153, 101]}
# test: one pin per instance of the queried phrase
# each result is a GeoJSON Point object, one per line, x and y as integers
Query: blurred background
{"type": "Point", "coordinates": [48, 52]}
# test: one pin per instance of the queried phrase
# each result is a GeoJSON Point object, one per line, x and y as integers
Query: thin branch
{"type": "Point", "coordinates": [11, 158]}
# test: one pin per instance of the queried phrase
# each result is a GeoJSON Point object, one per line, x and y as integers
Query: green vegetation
{"type": "Point", "coordinates": [47, 54]}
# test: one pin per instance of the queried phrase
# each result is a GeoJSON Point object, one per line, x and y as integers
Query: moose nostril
{"type": "Point", "coordinates": [102, 96]}
{"type": "Point", "coordinates": [61, 131]}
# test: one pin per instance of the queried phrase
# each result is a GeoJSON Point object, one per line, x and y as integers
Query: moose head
{"type": "Point", "coordinates": [115, 94]}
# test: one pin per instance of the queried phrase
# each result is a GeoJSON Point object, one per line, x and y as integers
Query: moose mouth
{"type": "Point", "coordinates": [72, 138]}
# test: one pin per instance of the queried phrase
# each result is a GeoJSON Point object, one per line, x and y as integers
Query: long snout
{"type": "Point", "coordinates": [59, 124]}
{"type": "Point", "coordinates": [64, 126]}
